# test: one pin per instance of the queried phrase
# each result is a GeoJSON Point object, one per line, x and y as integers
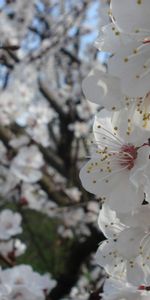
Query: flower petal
{"type": "Point", "coordinates": [132, 68]}
{"type": "Point", "coordinates": [103, 89]}
{"type": "Point", "coordinates": [131, 16]}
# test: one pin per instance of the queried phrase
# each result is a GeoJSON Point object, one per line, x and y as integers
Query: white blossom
{"type": "Point", "coordinates": [10, 224]}
{"type": "Point", "coordinates": [20, 141]}
{"type": "Point", "coordinates": [12, 248]}
{"type": "Point", "coordinates": [22, 283]}
{"type": "Point", "coordinates": [35, 119]}
{"type": "Point", "coordinates": [119, 168]}
{"type": "Point", "coordinates": [125, 254]}
{"type": "Point", "coordinates": [33, 196]}
{"type": "Point", "coordinates": [27, 163]}
{"type": "Point", "coordinates": [116, 168]}
{"type": "Point", "coordinates": [130, 62]}
{"type": "Point", "coordinates": [118, 290]}
{"type": "Point", "coordinates": [74, 193]}
{"type": "Point", "coordinates": [7, 181]}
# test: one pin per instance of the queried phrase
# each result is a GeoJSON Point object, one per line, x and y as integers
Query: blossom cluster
{"type": "Point", "coordinates": [118, 171]}
{"type": "Point", "coordinates": [19, 282]}
{"type": "Point", "coordinates": [44, 122]}
{"type": "Point", "coordinates": [21, 168]}
{"type": "Point", "coordinates": [22, 283]}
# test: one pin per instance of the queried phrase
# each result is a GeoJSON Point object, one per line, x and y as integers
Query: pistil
{"type": "Point", "coordinates": [129, 155]}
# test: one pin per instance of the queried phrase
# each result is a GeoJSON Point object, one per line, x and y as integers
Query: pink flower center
{"type": "Point", "coordinates": [128, 156]}
{"type": "Point", "coordinates": [146, 40]}
{"type": "Point", "coordinates": [141, 287]}
{"type": "Point", "coordinates": [144, 287]}
{"type": "Point", "coordinates": [23, 201]}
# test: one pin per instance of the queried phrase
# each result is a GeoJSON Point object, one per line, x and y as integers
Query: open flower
{"type": "Point", "coordinates": [131, 61]}
{"type": "Point", "coordinates": [126, 252]}
{"type": "Point", "coordinates": [10, 224]}
{"type": "Point", "coordinates": [119, 254]}
{"type": "Point", "coordinates": [33, 197]}
{"type": "Point", "coordinates": [116, 169]}
{"type": "Point", "coordinates": [27, 163]}
{"type": "Point", "coordinates": [12, 248]}
{"type": "Point", "coordinates": [22, 283]}
{"type": "Point", "coordinates": [106, 90]}
{"type": "Point", "coordinates": [118, 290]}
{"type": "Point", "coordinates": [127, 38]}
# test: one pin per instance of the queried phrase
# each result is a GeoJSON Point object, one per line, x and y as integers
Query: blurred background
{"type": "Point", "coordinates": [46, 50]}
